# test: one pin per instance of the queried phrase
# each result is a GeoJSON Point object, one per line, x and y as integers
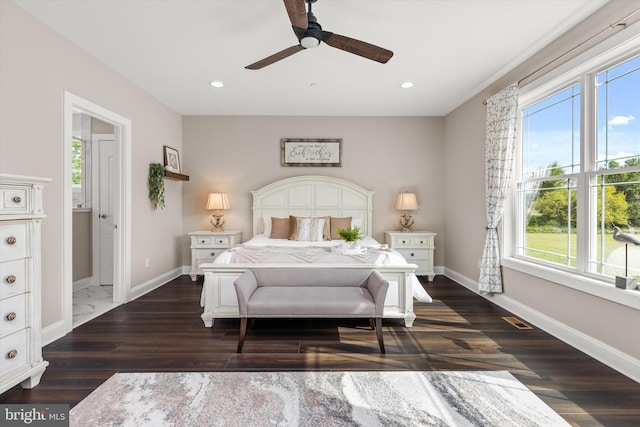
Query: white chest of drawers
{"type": "Point", "coordinates": [207, 245]}
{"type": "Point", "coordinates": [416, 247]}
{"type": "Point", "coordinates": [21, 215]}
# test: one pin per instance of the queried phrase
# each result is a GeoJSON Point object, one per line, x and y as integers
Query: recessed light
{"type": "Point", "coordinates": [216, 84]}
{"type": "Point", "coordinates": [406, 85]}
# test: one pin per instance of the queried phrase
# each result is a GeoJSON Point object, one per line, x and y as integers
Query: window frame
{"type": "Point", "coordinates": [580, 70]}
{"type": "Point", "coordinates": [82, 196]}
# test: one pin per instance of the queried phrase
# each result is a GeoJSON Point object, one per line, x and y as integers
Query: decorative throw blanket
{"type": "Point", "coordinates": [309, 254]}
{"type": "Point", "coordinates": [275, 254]}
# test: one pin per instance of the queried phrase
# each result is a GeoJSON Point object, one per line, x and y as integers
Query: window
{"type": "Point", "coordinates": [579, 171]}
{"type": "Point", "coordinates": [81, 173]}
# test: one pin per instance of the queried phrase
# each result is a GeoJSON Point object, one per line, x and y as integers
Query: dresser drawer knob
{"type": "Point", "coordinates": [17, 199]}
{"type": "Point", "coordinates": [412, 254]}
{"type": "Point", "coordinates": [11, 316]}
{"type": "Point", "coordinates": [12, 354]}
{"type": "Point", "coordinates": [202, 241]}
{"type": "Point", "coordinates": [11, 240]}
{"type": "Point", "coordinates": [213, 254]}
{"type": "Point", "coordinates": [11, 279]}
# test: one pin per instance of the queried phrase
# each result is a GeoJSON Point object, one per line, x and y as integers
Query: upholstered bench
{"type": "Point", "coordinates": [311, 293]}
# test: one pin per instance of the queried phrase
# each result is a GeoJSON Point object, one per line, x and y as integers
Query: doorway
{"type": "Point", "coordinates": [106, 199]}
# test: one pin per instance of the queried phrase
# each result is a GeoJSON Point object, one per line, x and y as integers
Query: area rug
{"type": "Point", "coordinates": [405, 398]}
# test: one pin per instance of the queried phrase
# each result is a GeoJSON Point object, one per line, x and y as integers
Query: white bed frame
{"type": "Point", "coordinates": [307, 196]}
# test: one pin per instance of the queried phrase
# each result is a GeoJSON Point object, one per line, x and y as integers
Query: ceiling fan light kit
{"type": "Point", "coordinates": [309, 42]}
{"type": "Point", "coordinates": [310, 33]}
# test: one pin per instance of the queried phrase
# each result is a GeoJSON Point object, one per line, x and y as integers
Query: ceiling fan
{"type": "Point", "coordinates": [310, 34]}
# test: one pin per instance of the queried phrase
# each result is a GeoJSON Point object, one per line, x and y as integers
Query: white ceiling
{"type": "Point", "coordinates": [450, 49]}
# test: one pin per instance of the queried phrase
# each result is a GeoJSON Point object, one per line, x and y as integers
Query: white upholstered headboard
{"type": "Point", "coordinates": [311, 195]}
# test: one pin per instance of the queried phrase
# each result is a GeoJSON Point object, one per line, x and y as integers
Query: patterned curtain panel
{"type": "Point", "coordinates": [502, 109]}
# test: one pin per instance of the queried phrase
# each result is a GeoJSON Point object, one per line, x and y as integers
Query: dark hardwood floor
{"type": "Point", "coordinates": [162, 331]}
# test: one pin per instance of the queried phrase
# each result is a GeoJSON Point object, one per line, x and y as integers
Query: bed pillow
{"type": "Point", "coordinates": [266, 225]}
{"type": "Point", "coordinates": [339, 223]}
{"type": "Point", "coordinates": [309, 229]}
{"type": "Point", "coordinates": [280, 228]}
{"type": "Point", "coordinates": [326, 231]}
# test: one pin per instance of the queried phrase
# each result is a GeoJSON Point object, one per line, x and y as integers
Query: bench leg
{"type": "Point", "coordinates": [379, 333]}
{"type": "Point", "coordinates": [243, 333]}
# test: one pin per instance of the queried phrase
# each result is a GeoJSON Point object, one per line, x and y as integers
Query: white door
{"type": "Point", "coordinates": [106, 208]}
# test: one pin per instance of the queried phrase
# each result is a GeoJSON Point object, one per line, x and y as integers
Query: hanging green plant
{"type": "Point", "coordinates": [156, 185]}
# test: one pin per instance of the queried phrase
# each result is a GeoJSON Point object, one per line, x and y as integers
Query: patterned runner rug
{"type": "Point", "coordinates": [404, 398]}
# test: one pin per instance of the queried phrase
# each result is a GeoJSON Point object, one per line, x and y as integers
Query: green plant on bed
{"type": "Point", "coordinates": [350, 234]}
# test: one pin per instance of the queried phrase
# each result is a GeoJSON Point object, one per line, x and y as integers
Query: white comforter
{"type": "Point", "coordinates": [261, 249]}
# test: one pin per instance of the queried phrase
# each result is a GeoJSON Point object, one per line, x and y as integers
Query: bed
{"type": "Point", "coordinates": [310, 197]}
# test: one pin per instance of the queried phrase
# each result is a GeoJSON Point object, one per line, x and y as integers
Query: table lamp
{"type": "Point", "coordinates": [217, 201]}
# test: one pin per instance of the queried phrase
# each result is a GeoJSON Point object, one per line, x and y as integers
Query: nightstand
{"type": "Point", "coordinates": [416, 247]}
{"type": "Point", "coordinates": [207, 245]}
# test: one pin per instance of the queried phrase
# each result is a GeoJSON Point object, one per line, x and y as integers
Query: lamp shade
{"type": "Point", "coordinates": [218, 201]}
{"type": "Point", "coordinates": [407, 202]}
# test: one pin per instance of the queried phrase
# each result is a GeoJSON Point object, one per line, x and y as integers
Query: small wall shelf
{"type": "Point", "coordinates": [176, 176]}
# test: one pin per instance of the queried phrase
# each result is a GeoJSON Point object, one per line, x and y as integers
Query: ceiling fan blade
{"type": "Point", "coordinates": [297, 13]}
{"type": "Point", "coordinates": [364, 49]}
{"type": "Point", "coordinates": [275, 57]}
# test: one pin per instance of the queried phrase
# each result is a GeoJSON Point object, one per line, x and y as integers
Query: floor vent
{"type": "Point", "coordinates": [517, 323]}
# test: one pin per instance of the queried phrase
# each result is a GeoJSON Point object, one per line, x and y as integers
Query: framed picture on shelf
{"type": "Point", "coordinates": [171, 160]}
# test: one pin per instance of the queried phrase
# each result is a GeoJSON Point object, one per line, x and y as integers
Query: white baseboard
{"type": "Point", "coordinates": [600, 351]}
{"type": "Point", "coordinates": [53, 332]}
{"type": "Point", "coordinates": [82, 283]}
{"type": "Point", "coordinates": [149, 285]}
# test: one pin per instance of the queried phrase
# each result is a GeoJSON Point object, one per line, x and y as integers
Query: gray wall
{"type": "Point", "coordinates": [38, 65]}
{"type": "Point", "coordinates": [384, 154]}
{"type": "Point", "coordinates": [586, 318]}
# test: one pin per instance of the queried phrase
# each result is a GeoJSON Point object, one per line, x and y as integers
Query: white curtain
{"type": "Point", "coordinates": [502, 111]}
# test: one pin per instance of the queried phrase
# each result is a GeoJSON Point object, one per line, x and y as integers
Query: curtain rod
{"type": "Point", "coordinates": [620, 23]}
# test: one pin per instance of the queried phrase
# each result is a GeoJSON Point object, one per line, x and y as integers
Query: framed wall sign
{"type": "Point", "coordinates": [311, 152]}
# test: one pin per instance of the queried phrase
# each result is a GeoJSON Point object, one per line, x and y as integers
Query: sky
{"type": "Point", "coordinates": [552, 130]}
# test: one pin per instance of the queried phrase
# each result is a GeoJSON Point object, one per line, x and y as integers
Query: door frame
{"type": "Point", "coordinates": [122, 244]}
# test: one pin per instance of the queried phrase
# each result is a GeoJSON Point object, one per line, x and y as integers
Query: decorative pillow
{"type": "Point", "coordinates": [309, 229]}
{"type": "Point", "coordinates": [339, 223]}
{"type": "Point", "coordinates": [326, 232]}
{"type": "Point", "coordinates": [280, 228]}
{"type": "Point", "coordinates": [266, 225]}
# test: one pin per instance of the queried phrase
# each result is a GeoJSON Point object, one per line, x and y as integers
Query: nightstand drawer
{"type": "Point", "coordinates": [412, 241]}
{"type": "Point", "coordinates": [422, 241]}
{"type": "Point", "coordinates": [13, 311]}
{"type": "Point", "coordinates": [207, 255]}
{"type": "Point", "coordinates": [13, 241]}
{"type": "Point", "coordinates": [13, 277]}
{"type": "Point", "coordinates": [412, 255]}
{"type": "Point", "coordinates": [224, 241]}
{"type": "Point", "coordinates": [203, 241]}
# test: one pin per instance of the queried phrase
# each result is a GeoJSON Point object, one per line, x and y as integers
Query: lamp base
{"type": "Point", "coordinates": [406, 222]}
{"type": "Point", "coordinates": [217, 222]}
{"type": "Point", "coordinates": [626, 282]}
